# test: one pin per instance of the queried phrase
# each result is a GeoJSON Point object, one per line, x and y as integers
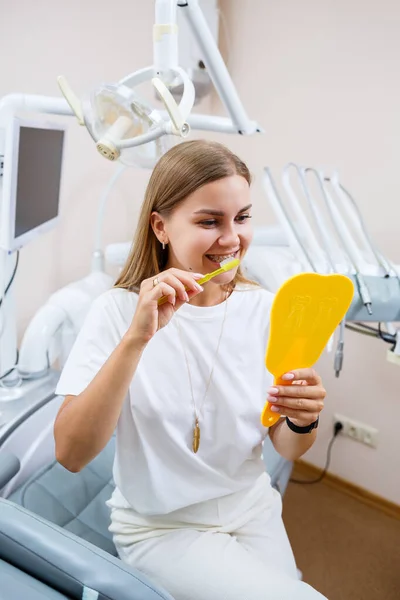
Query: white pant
{"type": "Point", "coordinates": [246, 559]}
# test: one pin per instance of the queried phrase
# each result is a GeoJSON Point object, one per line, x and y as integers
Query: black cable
{"type": "Point", "coordinates": [387, 337]}
{"type": "Point", "coordinates": [7, 373]}
{"type": "Point", "coordinates": [390, 340]}
{"type": "Point", "coordinates": [9, 284]}
{"type": "Point", "coordinates": [364, 329]}
{"type": "Point", "coordinates": [338, 427]}
{"type": "Point", "coordinates": [365, 326]}
{"type": "Point", "coordinates": [384, 335]}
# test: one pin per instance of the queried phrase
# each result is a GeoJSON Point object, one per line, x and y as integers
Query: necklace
{"type": "Point", "coordinates": [197, 412]}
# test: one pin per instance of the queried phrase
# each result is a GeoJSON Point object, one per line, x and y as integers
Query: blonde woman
{"type": "Point", "coordinates": [184, 384]}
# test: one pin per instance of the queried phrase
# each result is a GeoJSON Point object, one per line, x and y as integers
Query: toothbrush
{"type": "Point", "coordinates": [226, 265]}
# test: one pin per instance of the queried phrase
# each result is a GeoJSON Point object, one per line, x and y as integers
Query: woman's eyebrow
{"type": "Point", "coordinates": [218, 213]}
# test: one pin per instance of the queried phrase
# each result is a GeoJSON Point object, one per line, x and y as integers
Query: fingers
{"type": "Point", "coordinates": [316, 392]}
{"type": "Point", "coordinates": [300, 400]}
{"type": "Point", "coordinates": [296, 405]}
{"type": "Point", "coordinates": [310, 375]}
{"type": "Point", "coordinates": [302, 410]}
{"type": "Point", "coordinates": [184, 283]}
{"type": "Point", "coordinates": [163, 289]}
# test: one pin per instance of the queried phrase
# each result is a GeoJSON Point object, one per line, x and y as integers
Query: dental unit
{"type": "Point", "coordinates": [319, 236]}
{"type": "Point", "coordinates": [125, 128]}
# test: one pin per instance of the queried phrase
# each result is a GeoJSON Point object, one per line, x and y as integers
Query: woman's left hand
{"type": "Point", "coordinates": [302, 400]}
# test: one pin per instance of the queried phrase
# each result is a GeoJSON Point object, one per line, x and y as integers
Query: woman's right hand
{"type": "Point", "coordinates": [149, 315]}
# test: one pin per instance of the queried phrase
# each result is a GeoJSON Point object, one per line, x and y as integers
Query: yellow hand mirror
{"type": "Point", "coordinates": [305, 313]}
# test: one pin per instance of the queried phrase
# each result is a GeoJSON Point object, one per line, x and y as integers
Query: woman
{"type": "Point", "coordinates": [184, 384]}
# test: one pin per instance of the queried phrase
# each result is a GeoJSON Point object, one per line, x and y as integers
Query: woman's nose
{"type": "Point", "coordinates": [229, 237]}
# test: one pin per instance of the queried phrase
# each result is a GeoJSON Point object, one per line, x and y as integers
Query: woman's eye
{"type": "Point", "coordinates": [208, 223]}
{"type": "Point", "coordinates": [214, 222]}
{"type": "Point", "coordinates": [243, 218]}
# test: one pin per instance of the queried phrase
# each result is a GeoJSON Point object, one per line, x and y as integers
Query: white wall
{"type": "Point", "coordinates": [320, 76]}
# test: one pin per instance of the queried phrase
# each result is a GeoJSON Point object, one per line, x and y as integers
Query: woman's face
{"type": "Point", "coordinates": [212, 224]}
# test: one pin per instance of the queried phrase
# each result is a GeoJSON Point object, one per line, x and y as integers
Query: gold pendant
{"type": "Point", "coordinates": [196, 436]}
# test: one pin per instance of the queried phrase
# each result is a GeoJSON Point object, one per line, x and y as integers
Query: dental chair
{"type": "Point", "coordinates": [54, 538]}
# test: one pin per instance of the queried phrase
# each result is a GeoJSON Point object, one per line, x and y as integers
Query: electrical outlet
{"type": "Point", "coordinates": [357, 431]}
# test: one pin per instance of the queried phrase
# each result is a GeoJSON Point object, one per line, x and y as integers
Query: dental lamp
{"type": "Point", "coordinates": [127, 128]}
{"type": "Point", "coordinates": [120, 121]}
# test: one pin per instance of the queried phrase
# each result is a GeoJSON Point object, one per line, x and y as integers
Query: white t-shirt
{"type": "Point", "coordinates": [155, 468]}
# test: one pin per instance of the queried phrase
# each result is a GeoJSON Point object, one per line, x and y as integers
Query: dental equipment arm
{"type": "Point", "coordinates": [113, 134]}
{"type": "Point", "coordinates": [320, 224]}
{"type": "Point", "coordinates": [378, 286]}
{"type": "Point", "coordinates": [239, 120]}
{"type": "Point", "coordinates": [283, 217]}
{"type": "Point", "coordinates": [175, 119]}
{"type": "Point", "coordinates": [308, 237]}
{"type": "Point", "coordinates": [354, 214]}
{"type": "Point", "coordinates": [348, 244]}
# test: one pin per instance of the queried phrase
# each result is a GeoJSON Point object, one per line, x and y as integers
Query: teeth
{"type": "Point", "coordinates": [219, 259]}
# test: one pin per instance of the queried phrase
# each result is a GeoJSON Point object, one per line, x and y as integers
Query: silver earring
{"type": "Point", "coordinates": [163, 246]}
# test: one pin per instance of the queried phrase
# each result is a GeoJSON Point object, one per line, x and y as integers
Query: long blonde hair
{"type": "Point", "coordinates": [179, 172]}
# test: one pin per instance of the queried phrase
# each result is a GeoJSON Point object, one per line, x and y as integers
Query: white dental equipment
{"type": "Point", "coordinates": [98, 253]}
{"type": "Point", "coordinates": [328, 245]}
{"type": "Point", "coordinates": [31, 181]}
{"type": "Point", "coordinates": [119, 120]}
{"type": "Point", "coordinates": [126, 127]}
{"type": "Point", "coordinates": [30, 193]}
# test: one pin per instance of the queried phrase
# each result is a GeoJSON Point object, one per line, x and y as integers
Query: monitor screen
{"type": "Point", "coordinates": [30, 186]}
{"type": "Point", "coordinates": [38, 178]}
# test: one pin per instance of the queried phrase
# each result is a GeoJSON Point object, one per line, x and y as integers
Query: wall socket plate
{"type": "Point", "coordinates": [357, 431]}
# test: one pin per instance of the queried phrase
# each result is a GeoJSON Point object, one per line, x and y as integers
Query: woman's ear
{"type": "Point", "coordinates": [158, 225]}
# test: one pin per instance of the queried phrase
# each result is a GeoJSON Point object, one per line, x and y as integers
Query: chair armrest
{"type": "Point", "coordinates": [17, 584]}
{"type": "Point", "coordinates": [9, 467]}
{"type": "Point", "coordinates": [65, 562]}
